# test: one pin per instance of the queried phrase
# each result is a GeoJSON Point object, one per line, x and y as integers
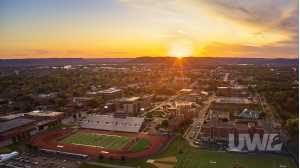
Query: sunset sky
{"type": "Point", "coordinates": [132, 28]}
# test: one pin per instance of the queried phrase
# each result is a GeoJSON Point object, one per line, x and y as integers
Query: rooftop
{"type": "Point", "coordinates": [233, 100]}
{"type": "Point", "coordinates": [11, 116]}
{"type": "Point", "coordinates": [15, 123]}
{"type": "Point", "coordinates": [186, 90]}
{"type": "Point", "coordinates": [250, 114]}
{"type": "Point", "coordinates": [240, 125]}
{"type": "Point", "coordinates": [183, 103]}
{"type": "Point", "coordinates": [38, 113]}
{"type": "Point", "coordinates": [204, 93]}
{"type": "Point", "coordinates": [129, 99]}
{"type": "Point", "coordinates": [83, 98]}
{"type": "Point", "coordinates": [44, 95]}
{"type": "Point", "coordinates": [110, 90]}
{"type": "Point", "coordinates": [219, 123]}
{"type": "Point", "coordinates": [233, 88]}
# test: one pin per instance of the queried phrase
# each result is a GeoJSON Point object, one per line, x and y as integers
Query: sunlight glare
{"type": "Point", "coordinates": [180, 50]}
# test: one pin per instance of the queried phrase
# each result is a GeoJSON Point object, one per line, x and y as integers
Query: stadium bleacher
{"type": "Point", "coordinates": [113, 123]}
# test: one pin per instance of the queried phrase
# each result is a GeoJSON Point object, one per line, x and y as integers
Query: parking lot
{"type": "Point", "coordinates": [28, 160]}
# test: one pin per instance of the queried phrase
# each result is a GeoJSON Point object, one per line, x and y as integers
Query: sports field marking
{"type": "Point", "coordinates": [88, 145]}
{"type": "Point", "coordinates": [114, 142]}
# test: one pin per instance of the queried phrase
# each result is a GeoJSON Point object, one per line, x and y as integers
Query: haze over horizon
{"type": "Point", "coordinates": [134, 28]}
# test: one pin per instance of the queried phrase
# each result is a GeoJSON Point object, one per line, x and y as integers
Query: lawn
{"type": "Point", "coordinates": [140, 145]}
{"type": "Point", "coordinates": [189, 157]}
{"type": "Point", "coordinates": [84, 165]}
{"type": "Point", "coordinates": [5, 150]}
{"type": "Point", "coordinates": [20, 147]}
{"type": "Point", "coordinates": [99, 140]}
{"type": "Point", "coordinates": [195, 158]}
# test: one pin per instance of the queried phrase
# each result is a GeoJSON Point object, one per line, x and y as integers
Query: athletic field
{"type": "Point", "coordinates": [140, 145]}
{"type": "Point", "coordinates": [113, 142]}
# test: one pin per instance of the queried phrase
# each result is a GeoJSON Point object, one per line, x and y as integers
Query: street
{"type": "Point", "coordinates": [194, 130]}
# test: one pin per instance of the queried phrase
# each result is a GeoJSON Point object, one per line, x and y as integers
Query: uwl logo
{"type": "Point", "coordinates": [267, 142]}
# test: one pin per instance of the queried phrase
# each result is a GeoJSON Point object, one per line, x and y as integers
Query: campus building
{"type": "Point", "coordinates": [16, 128]}
{"type": "Point", "coordinates": [184, 110]}
{"type": "Point", "coordinates": [239, 91]}
{"type": "Point", "coordinates": [128, 105]}
{"type": "Point", "coordinates": [45, 119]}
{"type": "Point", "coordinates": [110, 93]}
{"type": "Point", "coordinates": [217, 131]}
{"type": "Point", "coordinates": [117, 122]}
{"type": "Point", "coordinates": [227, 107]}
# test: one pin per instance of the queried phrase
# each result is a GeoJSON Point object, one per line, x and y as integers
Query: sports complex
{"type": "Point", "coordinates": [125, 141]}
{"type": "Point", "coordinates": [95, 143]}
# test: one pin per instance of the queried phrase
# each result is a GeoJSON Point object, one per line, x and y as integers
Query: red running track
{"type": "Point", "coordinates": [50, 140]}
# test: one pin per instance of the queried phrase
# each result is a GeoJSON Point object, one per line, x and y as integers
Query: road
{"type": "Point", "coordinates": [194, 130]}
{"type": "Point", "coordinates": [170, 99]}
{"type": "Point", "coordinates": [226, 77]}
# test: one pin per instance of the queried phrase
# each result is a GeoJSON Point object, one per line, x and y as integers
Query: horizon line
{"type": "Point", "coordinates": [213, 57]}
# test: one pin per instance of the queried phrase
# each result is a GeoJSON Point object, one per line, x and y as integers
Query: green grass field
{"type": "Point", "coordinates": [196, 158]}
{"type": "Point", "coordinates": [140, 145]}
{"type": "Point", "coordinates": [99, 140]}
{"type": "Point", "coordinates": [5, 150]}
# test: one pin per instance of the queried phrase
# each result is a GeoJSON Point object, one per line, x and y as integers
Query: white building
{"type": "Point", "coordinates": [113, 123]}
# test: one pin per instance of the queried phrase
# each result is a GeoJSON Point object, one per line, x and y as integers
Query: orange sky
{"type": "Point", "coordinates": [132, 28]}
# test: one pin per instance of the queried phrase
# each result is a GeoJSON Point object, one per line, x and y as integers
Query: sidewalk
{"type": "Point", "coordinates": [107, 165]}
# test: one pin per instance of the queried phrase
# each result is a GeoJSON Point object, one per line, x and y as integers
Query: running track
{"type": "Point", "coordinates": [50, 140]}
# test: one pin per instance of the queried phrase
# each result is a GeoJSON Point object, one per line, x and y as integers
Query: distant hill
{"type": "Point", "coordinates": [143, 60]}
{"type": "Point", "coordinates": [216, 61]}
{"type": "Point", "coordinates": [58, 61]}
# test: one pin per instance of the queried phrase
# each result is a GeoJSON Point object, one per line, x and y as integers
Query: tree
{"type": "Point", "coordinates": [123, 158]}
{"type": "Point", "coordinates": [165, 124]}
{"type": "Point", "coordinates": [292, 126]}
{"type": "Point", "coordinates": [100, 157]}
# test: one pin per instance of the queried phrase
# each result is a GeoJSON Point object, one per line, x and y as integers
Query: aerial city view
{"type": "Point", "coordinates": [149, 84]}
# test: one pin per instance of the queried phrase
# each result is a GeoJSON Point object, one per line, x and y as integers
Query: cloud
{"type": "Point", "coordinates": [281, 14]}
{"type": "Point", "coordinates": [268, 14]}
{"type": "Point", "coordinates": [279, 50]}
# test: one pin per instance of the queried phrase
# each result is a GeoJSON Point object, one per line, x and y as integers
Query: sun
{"type": "Point", "coordinates": [180, 50]}
{"type": "Point", "coordinates": [177, 54]}
{"type": "Point", "coordinates": [180, 53]}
